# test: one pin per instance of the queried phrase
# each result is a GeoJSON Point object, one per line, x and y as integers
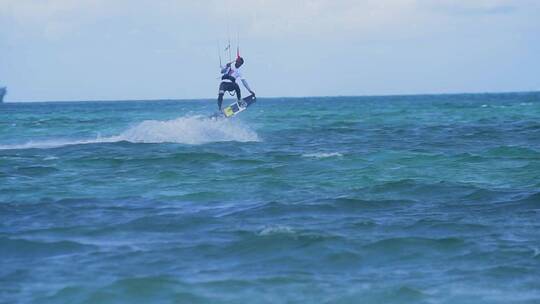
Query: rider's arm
{"type": "Point", "coordinates": [225, 68]}
{"type": "Point", "coordinates": [244, 82]}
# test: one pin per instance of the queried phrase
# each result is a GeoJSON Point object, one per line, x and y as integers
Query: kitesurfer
{"type": "Point", "coordinates": [230, 76]}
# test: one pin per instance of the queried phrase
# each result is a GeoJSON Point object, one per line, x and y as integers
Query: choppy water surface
{"type": "Point", "coordinates": [417, 199]}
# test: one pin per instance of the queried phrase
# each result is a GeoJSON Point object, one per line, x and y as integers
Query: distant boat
{"type": "Point", "coordinates": [3, 92]}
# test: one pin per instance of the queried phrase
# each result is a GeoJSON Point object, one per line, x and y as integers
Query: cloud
{"type": "Point", "coordinates": [482, 7]}
{"type": "Point", "coordinates": [306, 19]}
{"type": "Point", "coordinates": [52, 19]}
{"type": "Point", "coordinates": [318, 18]}
{"type": "Point", "coordinates": [364, 19]}
{"type": "Point", "coordinates": [93, 44]}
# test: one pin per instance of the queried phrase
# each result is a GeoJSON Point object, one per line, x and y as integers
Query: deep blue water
{"type": "Point", "coordinates": [412, 199]}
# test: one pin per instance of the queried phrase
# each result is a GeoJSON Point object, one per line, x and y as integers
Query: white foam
{"type": "Point", "coordinates": [47, 144]}
{"type": "Point", "coordinates": [269, 230]}
{"type": "Point", "coordinates": [193, 130]}
{"type": "Point", "coordinates": [190, 130]}
{"type": "Point", "coordinates": [323, 155]}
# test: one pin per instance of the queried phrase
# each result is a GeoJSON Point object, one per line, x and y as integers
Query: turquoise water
{"type": "Point", "coordinates": [415, 199]}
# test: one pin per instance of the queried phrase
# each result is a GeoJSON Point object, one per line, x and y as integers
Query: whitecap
{"type": "Point", "coordinates": [323, 155]}
{"type": "Point", "coordinates": [276, 230]}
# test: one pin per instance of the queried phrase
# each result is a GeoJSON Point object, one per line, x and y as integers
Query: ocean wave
{"type": "Point", "coordinates": [55, 143]}
{"type": "Point", "coordinates": [397, 244]}
{"type": "Point", "coordinates": [23, 248]}
{"type": "Point", "coordinates": [269, 230]}
{"type": "Point", "coordinates": [323, 155]}
{"type": "Point", "coordinates": [515, 152]}
{"type": "Point", "coordinates": [192, 130]}
{"type": "Point", "coordinates": [34, 171]}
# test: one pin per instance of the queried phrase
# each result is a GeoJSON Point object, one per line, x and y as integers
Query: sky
{"type": "Point", "coordinates": [63, 50]}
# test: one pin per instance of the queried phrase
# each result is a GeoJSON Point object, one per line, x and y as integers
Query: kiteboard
{"type": "Point", "coordinates": [236, 107]}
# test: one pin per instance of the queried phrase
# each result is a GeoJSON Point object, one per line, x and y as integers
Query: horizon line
{"type": "Point", "coordinates": [278, 97]}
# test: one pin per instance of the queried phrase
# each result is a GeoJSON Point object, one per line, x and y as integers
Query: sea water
{"type": "Point", "coordinates": [404, 199]}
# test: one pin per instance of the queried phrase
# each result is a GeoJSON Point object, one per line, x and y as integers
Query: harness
{"type": "Point", "coordinates": [228, 76]}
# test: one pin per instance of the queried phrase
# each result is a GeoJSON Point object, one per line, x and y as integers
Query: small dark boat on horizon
{"type": "Point", "coordinates": [3, 92]}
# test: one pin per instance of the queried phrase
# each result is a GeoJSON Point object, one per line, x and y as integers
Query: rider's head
{"type": "Point", "coordinates": [239, 62]}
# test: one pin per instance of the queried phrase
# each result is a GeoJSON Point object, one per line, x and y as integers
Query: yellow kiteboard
{"type": "Point", "coordinates": [239, 106]}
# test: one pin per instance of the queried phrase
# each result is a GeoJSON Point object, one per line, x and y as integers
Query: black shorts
{"type": "Point", "coordinates": [228, 86]}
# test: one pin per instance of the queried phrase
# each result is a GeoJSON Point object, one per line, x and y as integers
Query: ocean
{"type": "Point", "coordinates": [390, 199]}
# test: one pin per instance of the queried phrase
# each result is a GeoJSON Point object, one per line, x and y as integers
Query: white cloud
{"type": "Point", "coordinates": [51, 19]}
{"type": "Point", "coordinates": [121, 42]}
{"type": "Point", "coordinates": [261, 18]}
